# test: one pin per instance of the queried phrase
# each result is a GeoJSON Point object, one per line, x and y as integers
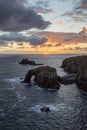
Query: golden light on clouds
{"type": "Point", "coordinates": [55, 43]}
{"type": "Point", "coordinates": [84, 29]}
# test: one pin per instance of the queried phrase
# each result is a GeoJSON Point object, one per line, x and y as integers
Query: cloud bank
{"type": "Point", "coordinates": [16, 15]}
{"type": "Point", "coordinates": [16, 37]}
{"type": "Point", "coordinates": [52, 42]}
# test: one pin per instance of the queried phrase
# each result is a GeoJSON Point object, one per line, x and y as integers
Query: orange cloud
{"type": "Point", "coordinates": [64, 38]}
{"type": "Point", "coordinates": [57, 42]}
{"type": "Point", "coordinates": [84, 29]}
{"type": "Point", "coordinates": [59, 22]}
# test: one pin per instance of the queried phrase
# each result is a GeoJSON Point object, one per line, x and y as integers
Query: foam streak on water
{"type": "Point", "coordinates": [52, 107]}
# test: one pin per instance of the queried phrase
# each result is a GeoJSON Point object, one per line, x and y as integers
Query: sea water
{"type": "Point", "coordinates": [20, 103]}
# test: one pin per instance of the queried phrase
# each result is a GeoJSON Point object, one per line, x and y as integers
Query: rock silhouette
{"type": "Point", "coordinates": [77, 65]}
{"type": "Point", "coordinates": [45, 77]}
{"type": "Point", "coordinates": [45, 109]}
{"type": "Point", "coordinates": [26, 61]}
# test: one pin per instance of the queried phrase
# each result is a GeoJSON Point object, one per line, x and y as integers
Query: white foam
{"type": "Point", "coordinates": [19, 96]}
{"type": "Point", "coordinates": [14, 80]}
{"type": "Point", "coordinates": [52, 107]}
{"type": "Point", "coordinates": [12, 88]}
{"type": "Point", "coordinates": [38, 88]}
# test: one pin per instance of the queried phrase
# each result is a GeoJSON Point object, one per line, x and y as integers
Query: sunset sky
{"type": "Point", "coordinates": [43, 26]}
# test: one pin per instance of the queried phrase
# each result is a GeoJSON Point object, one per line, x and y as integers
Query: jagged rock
{"type": "Point", "coordinates": [72, 64]}
{"type": "Point", "coordinates": [81, 78]}
{"type": "Point", "coordinates": [69, 79]}
{"type": "Point", "coordinates": [45, 77]}
{"type": "Point", "coordinates": [26, 61]}
{"type": "Point", "coordinates": [77, 65]}
{"type": "Point", "coordinates": [45, 109]}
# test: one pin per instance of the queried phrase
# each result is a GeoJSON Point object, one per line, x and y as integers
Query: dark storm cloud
{"type": "Point", "coordinates": [20, 44]}
{"type": "Point", "coordinates": [47, 45]}
{"type": "Point", "coordinates": [58, 44]}
{"type": "Point", "coordinates": [81, 5]}
{"type": "Point", "coordinates": [77, 48]}
{"type": "Point", "coordinates": [81, 48]}
{"type": "Point", "coordinates": [32, 40]}
{"type": "Point", "coordinates": [83, 31]}
{"type": "Point", "coordinates": [16, 15]}
{"type": "Point", "coordinates": [14, 37]}
{"type": "Point", "coordinates": [3, 43]}
{"type": "Point", "coordinates": [79, 12]}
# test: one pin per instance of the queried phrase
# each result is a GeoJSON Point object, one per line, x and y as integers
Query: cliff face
{"type": "Point", "coordinates": [77, 65]}
{"type": "Point", "coordinates": [81, 78]}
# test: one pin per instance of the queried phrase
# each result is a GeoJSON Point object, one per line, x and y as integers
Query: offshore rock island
{"type": "Point", "coordinates": [25, 61]}
{"type": "Point", "coordinates": [46, 76]}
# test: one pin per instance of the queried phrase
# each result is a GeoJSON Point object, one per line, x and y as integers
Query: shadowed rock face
{"type": "Point", "coordinates": [45, 109]}
{"type": "Point", "coordinates": [45, 77]}
{"type": "Point", "coordinates": [81, 78]}
{"type": "Point", "coordinates": [77, 65]}
{"type": "Point", "coordinates": [72, 64]}
{"type": "Point", "coordinates": [69, 79]}
{"type": "Point", "coordinates": [26, 61]}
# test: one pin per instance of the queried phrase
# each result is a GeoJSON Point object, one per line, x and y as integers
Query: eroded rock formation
{"type": "Point", "coordinates": [45, 77]}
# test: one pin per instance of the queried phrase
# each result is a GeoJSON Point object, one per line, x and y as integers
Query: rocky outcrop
{"type": "Point", "coordinates": [81, 78]}
{"type": "Point", "coordinates": [45, 77]}
{"type": "Point", "coordinates": [77, 65]}
{"type": "Point", "coordinates": [72, 64]}
{"type": "Point", "coordinates": [26, 61]}
{"type": "Point", "coordinates": [45, 109]}
{"type": "Point", "coordinates": [68, 79]}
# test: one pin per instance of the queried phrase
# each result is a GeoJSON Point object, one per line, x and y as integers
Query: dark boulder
{"type": "Point", "coordinates": [45, 77]}
{"type": "Point", "coordinates": [45, 109]}
{"type": "Point", "coordinates": [26, 61]}
{"type": "Point", "coordinates": [68, 79]}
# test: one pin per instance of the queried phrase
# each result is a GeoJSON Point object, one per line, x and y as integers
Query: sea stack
{"type": "Point", "coordinates": [45, 77]}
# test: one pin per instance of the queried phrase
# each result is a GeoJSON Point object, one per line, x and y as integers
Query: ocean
{"type": "Point", "coordinates": [20, 103]}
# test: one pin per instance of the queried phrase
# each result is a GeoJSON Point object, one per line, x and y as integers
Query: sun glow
{"type": "Point", "coordinates": [46, 53]}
